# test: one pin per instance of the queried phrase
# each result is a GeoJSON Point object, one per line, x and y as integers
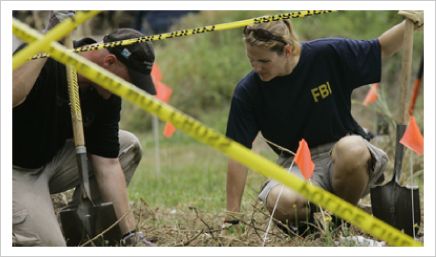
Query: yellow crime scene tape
{"type": "Point", "coordinates": [188, 32]}
{"type": "Point", "coordinates": [208, 136]}
{"type": "Point", "coordinates": [58, 32]}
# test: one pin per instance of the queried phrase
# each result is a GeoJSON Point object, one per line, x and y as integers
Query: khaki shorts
{"type": "Point", "coordinates": [323, 172]}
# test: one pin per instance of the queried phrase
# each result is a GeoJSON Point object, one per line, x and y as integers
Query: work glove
{"type": "Point", "coordinates": [56, 17]}
{"type": "Point", "coordinates": [416, 16]}
{"type": "Point", "coordinates": [232, 227]}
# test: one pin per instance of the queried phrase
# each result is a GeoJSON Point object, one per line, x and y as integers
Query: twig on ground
{"type": "Point", "coordinates": [106, 230]}
{"type": "Point", "coordinates": [139, 218]}
{"type": "Point", "coordinates": [196, 213]}
{"type": "Point", "coordinates": [269, 216]}
{"type": "Point", "coordinates": [252, 225]}
{"type": "Point", "coordinates": [186, 243]}
{"type": "Point", "coordinates": [256, 228]}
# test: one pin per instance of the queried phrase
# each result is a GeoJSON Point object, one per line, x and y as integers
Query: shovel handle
{"type": "Point", "coordinates": [76, 116]}
{"type": "Point", "coordinates": [405, 70]}
{"type": "Point", "coordinates": [73, 89]}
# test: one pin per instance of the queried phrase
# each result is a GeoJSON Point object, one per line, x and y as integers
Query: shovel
{"type": "Point", "coordinates": [81, 220]}
{"type": "Point", "coordinates": [394, 204]}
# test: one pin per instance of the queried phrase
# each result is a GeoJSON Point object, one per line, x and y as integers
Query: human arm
{"type": "Point", "coordinates": [392, 40]}
{"type": "Point", "coordinates": [236, 178]}
{"type": "Point", "coordinates": [25, 76]}
{"type": "Point", "coordinates": [242, 128]}
{"type": "Point", "coordinates": [23, 79]}
{"type": "Point", "coordinates": [112, 186]}
{"type": "Point", "coordinates": [235, 184]}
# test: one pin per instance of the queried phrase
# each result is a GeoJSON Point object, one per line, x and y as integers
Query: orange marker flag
{"type": "Point", "coordinates": [372, 95]}
{"type": "Point", "coordinates": [164, 92]}
{"type": "Point", "coordinates": [304, 160]}
{"type": "Point", "coordinates": [169, 129]}
{"type": "Point", "coordinates": [413, 138]}
{"type": "Point", "coordinates": [155, 73]}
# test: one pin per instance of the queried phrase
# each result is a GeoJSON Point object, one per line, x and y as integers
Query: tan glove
{"type": "Point", "coordinates": [416, 16]}
{"type": "Point", "coordinates": [232, 227]}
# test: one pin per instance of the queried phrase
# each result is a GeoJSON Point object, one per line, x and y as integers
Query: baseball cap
{"type": "Point", "coordinates": [138, 57]}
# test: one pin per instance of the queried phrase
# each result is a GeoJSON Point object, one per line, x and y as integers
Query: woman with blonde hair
{"type": "Point", "coordinates": [302, 90]}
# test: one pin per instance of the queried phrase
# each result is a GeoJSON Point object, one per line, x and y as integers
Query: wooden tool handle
{"type": "Point", "coordinates": [73, 89]}
{"type": "Point", "coordinates": [405, 71]}
{"type": "Point", "coordinates": [76, 116]}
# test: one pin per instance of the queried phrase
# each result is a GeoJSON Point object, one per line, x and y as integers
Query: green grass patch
{"type": "Point", "coordinates": [190, 173]}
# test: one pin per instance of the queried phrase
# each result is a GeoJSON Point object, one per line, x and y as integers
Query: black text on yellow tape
{"type": "Point", "coordinates": [232, 149]}
{"type": "Point", "coordinates": [188, 32]}
{"type": "Point", "coordinates": [73, 91]}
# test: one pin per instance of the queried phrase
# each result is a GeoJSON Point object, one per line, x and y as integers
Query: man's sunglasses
{"type": "Point", "coordinates": [261, 34]}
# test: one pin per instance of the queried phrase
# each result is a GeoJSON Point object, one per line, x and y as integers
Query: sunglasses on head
{"type": "Point", "coordinates": [261, 34]}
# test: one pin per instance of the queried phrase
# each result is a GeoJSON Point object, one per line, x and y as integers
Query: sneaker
{"type": "Point", "coordinates": [135, 239]}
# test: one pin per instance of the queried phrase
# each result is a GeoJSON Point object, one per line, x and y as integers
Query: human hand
{"type": "Point", "coordinates": [231, 226]}
{"type": "Point", "coordinates": [416, 16]}
{"type": "Point", "coordinates": [56, 17]}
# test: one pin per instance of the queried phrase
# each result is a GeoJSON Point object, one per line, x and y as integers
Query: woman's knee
{"type": "Point", "coordinates": [351, 152]}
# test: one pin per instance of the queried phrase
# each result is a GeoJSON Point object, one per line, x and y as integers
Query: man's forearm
{"type": "Point", "coordinates": [236, 178]}
{"type": "Point", "coordinates": [112, 186]}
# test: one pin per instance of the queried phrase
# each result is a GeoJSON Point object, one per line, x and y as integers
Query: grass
{"type": "Point", "coordinates": [190, 172]}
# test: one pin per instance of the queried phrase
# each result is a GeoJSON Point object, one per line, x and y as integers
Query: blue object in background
{"type": "Point", "coordinates": [158, 21]}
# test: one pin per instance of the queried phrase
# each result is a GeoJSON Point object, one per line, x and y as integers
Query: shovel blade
{"type": "Point", "coordinates": [392, 204]}
{"type": "Point", "coordinates": [104, 218]}
{"type": "Point", "coordinates": [72, 226]}
{"type": "Point", "coordinates": [85, 221]}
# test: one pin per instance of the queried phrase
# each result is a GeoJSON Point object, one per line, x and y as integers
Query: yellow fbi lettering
{"type": "Point", "coordinates": [322, 91]}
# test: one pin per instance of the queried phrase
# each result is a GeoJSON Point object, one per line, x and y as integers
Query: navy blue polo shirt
{"type": "Point", "coordinates": [313, 102]}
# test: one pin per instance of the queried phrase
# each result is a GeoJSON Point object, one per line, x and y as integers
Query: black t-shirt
{"type": "Point", "coordinates": [42, 123]}
{"type": "Point", "coordinates": [313, 102]}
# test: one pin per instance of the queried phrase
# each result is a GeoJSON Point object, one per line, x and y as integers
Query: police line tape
{"type": "Point", "coordinates": [188, 32]}
{"type": "Point", "coordinates": [236, 151]}
{"type": "Point", "coordinates": [56, 33]}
